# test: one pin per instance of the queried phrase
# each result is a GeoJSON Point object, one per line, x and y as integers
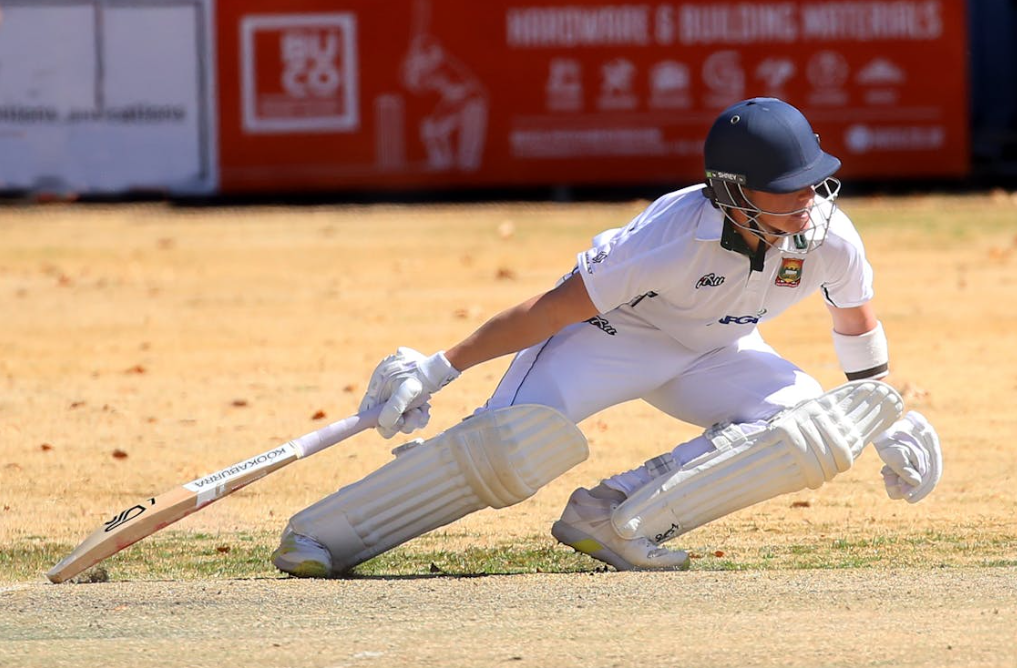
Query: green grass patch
{"type": "Point", "coordinates": [171, 555]}
{"type": "Point", "coordinates": [506, 560]}
{"type": "Point", "coordinates": [200, 556]}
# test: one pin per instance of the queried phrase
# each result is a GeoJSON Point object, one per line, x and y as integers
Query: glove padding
{"type": "Point", "coordinates": [912, 457]}
{"type": "Point", "coordinates": [404, 383]}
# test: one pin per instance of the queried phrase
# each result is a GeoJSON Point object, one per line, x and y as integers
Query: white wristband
{"type": "Point", "coordinates": [863, 356]}
{"type": "Point", "coordinates": [437, 371]}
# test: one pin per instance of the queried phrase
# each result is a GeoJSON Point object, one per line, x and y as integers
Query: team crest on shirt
{"type": "Point", "coordinates": [790, 273]}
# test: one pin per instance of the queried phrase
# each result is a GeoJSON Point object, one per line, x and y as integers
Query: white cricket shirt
{"type": "Point", "coordinates": [667, 268]}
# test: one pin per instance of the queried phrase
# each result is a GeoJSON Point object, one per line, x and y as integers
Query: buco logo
{"type": "Point", "coordinates": [299, 72]}
{"type": "Point", "coordinates": [310, 62]}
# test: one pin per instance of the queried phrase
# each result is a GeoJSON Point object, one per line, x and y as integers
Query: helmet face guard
{"type": "Point", "coordinates": [767, 145]}
{"type": "Point", "coordinates": [730, 196]}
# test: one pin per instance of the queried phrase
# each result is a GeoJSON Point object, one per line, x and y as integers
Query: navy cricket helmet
{"type": "Point", "coordinates": [767, 145]}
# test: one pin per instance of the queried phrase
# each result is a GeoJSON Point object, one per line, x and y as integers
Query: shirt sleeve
{"type": "Point", "coordinates": [627, 263]}
{"type": "Point", "coordinates": [849, 278]}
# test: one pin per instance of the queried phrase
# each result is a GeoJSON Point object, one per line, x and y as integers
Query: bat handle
{"type": "Point", "coordinates": [316, 441]}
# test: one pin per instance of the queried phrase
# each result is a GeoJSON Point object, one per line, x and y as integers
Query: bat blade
{"type": "Point", "coordinates": [145, 518]}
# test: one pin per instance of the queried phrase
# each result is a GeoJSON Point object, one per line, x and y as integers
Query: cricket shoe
{"type": "Point", "coordinates": [302, 557]}
{"type": "Point", "coordinates": [585, 526]}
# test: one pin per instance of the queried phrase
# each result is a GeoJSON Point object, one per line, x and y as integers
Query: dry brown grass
{"type": "Point", "coordinates": [187, 339]}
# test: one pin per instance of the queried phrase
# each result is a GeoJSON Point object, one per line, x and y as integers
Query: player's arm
{"type": "Point", "coordinates": [860, 342]}
{"type": "Point", "coordinates": [525, 324]}
{"type": "Point", "coordinates": [910, 449]}
{"type": "Point", "coordinates": [853, 321]}
{"type": "Point", "coordinates": [405, 381]}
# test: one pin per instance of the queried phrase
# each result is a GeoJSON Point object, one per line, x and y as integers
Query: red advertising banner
{"type": "Point", "coordinates": [354, 94]}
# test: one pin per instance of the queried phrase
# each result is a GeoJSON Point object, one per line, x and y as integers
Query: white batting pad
{"type": "Point", "coordinates": [801, 447]}
{"type": "Point", "coordinates": [494, 459]}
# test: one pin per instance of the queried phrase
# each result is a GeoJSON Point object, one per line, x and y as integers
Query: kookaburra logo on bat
{"type": "Point", "coordinates": [127, 515]}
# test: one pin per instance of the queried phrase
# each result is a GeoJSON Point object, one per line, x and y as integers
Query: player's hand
{"type": "Point", "coordinates": [912, 456]}
{"type": "Point", "coordinates": [404, 383]}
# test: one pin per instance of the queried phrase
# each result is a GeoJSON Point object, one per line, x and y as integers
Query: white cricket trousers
{"type": "Point", "coordinates": [588, 367]}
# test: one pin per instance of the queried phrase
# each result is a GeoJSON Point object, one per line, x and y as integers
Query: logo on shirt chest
{"type": "Point", "coordinates": [743, 319]}
{"type": "Point", "coordinates": [710, 280]}
{"type": "Point", "coordinates": [790, 273]}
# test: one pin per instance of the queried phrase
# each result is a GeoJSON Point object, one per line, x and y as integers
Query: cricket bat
{"type": "Point", "coordinates": [150, 515]}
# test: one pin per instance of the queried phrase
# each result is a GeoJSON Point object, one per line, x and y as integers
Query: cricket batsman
{"type": "Point", "coordinates": [665, 309]}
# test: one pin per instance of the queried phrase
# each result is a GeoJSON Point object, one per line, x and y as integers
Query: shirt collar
{"type": "Point", "coordinates": [711, 223]}
{"type": "Point", "coordinates": [711, 227]}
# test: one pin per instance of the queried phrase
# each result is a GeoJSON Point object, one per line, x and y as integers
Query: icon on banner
{"type": "Point", "coordinates": [616, 78]}
{"type": "Point", "coordinates": [724, 76]}
{"type": "Point", "coordinates": [564, 85]}
{"type": "Point", "coordinates": [774, 73]}
{"type": "Point", "coordinates": [299, 73]}
{"type": "Point", "coordinates": [881, 72]}
{"type": "Point", "coordinates": [669, 85]}
{"type": "Point", "coordinates": [828, 72]}
{"type": "Point", "coordinates": [881, 77]}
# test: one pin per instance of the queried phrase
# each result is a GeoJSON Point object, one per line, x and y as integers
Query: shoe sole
{"type": "Point", "coordinates": [308, 568]}
{"type": "Point", "coordinates": [580, 541]}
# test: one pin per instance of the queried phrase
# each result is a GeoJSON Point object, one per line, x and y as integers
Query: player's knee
{"type": "Point", "coordinates": [506, 457]}
{"type": "Point", "coordinates": [828, 433]}
{"type": "Point", "coordinates": [801, 447]}
{"type": "Point", "coordinates": [494, 459]}
{"type": "Point", "coordinates": [803, 388]}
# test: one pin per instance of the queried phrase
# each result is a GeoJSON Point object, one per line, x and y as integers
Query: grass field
{"type": "Point", "coordinates": [145, 345]}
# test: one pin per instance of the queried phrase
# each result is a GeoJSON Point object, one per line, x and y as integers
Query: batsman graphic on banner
{"type": "Point", "coordinates": [507, 93]}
